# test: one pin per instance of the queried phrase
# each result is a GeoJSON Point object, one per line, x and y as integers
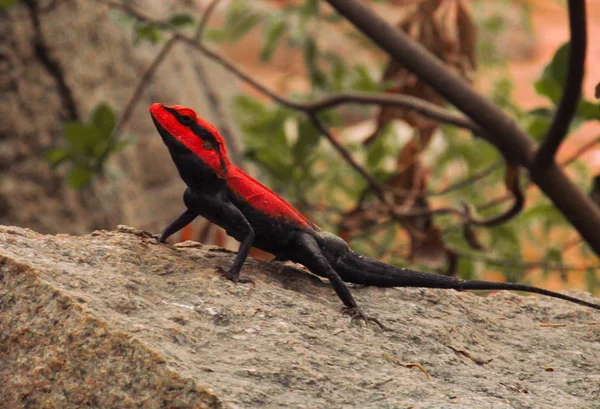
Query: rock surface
{"type": "Point", "coordinates": [114, 320]}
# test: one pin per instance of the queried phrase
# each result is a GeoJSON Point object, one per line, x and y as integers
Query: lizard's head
{"type": "Point", "coordinates": [184, 132]}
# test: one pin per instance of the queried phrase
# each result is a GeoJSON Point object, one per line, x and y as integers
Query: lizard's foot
{"type": "Point", "coordinates": [234, 277]}
{"type": "Point", "coordinates": [357, 314]}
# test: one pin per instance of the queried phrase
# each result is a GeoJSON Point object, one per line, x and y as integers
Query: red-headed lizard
{"type": "Point", "coordinates": [257, 217]}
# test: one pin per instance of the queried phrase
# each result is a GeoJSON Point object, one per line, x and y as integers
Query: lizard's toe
{"type": "Point", "coordinates": [357, 314]}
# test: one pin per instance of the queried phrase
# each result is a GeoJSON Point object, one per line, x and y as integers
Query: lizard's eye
{"type": "Point", "coordinates": [186, 120]}
{"type": "Point", "coordinates": [208, 145]}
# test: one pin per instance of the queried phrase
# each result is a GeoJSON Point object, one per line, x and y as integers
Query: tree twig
{"type": "Point", "coordinates": [572, 88]}
{"type": "Point", "coordinates": [137, 93]}
{"type": "Point", "coordinates": [204, 19]}
{"type": "Point", "coordinates": [514, 144]}
{"type": "Point", "coordinates": [350, 160]}
{"type": "Point", "coordinates": [582, 149]}
{"type": "Point", "coordinates": [421, 106]}
{"type": "Point", "coordinates": [132, 11]}
{"type": "Point", "coordinates": [468, 180]}
{"type": "Point", "coordinates": [214, 102]}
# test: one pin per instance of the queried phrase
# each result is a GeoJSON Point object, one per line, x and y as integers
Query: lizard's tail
{"type": "Point", "coordinates": [354, 268]}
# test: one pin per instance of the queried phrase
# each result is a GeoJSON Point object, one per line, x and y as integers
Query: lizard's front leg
{"type": "Point", "coordinates": [217, 208]}
{"type": "Point", "coordinates": [179, 223]}
{"type": "Point", "coordinates": [242, 227]}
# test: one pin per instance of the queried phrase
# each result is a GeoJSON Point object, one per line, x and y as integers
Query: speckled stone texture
{"type": "Point", "coordinates": [115, 320]}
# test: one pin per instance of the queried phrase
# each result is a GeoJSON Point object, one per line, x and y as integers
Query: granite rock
{"type": "Point", "coordinates": [114, 320]}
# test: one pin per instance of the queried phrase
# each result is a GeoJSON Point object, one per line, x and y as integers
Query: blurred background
{"type": "Point", "coordinates": [78, 150]}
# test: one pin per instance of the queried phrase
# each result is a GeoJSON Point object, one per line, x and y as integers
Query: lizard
{"type": "Point", "coordinates": [257, 217]}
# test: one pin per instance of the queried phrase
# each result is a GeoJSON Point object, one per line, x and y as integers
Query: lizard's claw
{"type": "Point", "coordinates": [234, 277]}
{"type": "Point", "coordinates": [357, 314]}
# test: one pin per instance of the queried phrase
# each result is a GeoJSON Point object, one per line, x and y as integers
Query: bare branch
{"type": "Point", "coordinates": [582, 149]}
{"type": "Point", "coordinates": [204, 20]}
{"type": "Point", "coordinates": [214, 102]}
{"type": "Point", "coordinates": [421, 106]}
{"type": "Point", "coordinates": [512, 182]}
{"type": "Point", "coordinates": [132, 11]}
{"type": "Point", "coordinates": [572, 88]}
{"type": "Point", "coordinates": [512, 141]}
{"type": "Point", "coordinates": [373, 185]}
{"type": "Point", "coordinates": [135, 97]}
{"type": "Point", "coordinates": [418, 105]}
{"type": "Point", "coordinates": [514, 144]}
{"type": "Point", "coordinates": [468, 181]}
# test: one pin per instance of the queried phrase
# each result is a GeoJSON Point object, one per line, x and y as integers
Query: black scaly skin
{"type": "Point", "coordinates": [323, 253]}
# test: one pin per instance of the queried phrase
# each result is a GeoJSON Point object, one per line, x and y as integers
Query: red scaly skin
{"type": "Point", "coordinates": [253, 192]}
{"type": "Point", "coordinates": [264, 199]}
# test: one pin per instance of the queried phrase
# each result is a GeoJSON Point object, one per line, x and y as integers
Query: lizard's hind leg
{"type": "Point", "coordinates": [309, 254]}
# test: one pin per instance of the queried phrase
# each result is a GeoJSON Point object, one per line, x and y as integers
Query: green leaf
{"type": "Point", "coordinates": [180, 20]}
{"type": "Point", "coordinates": [494, 23]}
{"type": "Point", "coordinates": [121, 18]}
{"type": "Point", "coordinates": [591, 280]}
{"type": "Point", "coordinates": [4, 4]}
{"type": "Point", "coordinates": [120, 145]}
{"type": "Point", "coordinates": [333, 18]}
{"type": "Point", "coordinates": [502, 92]}
{"type": "Point", "coordinates": [361, 80]}
{"type": "Point", "coordinates": [104, 119]}
{"type": "Point", "coordinates": [543, 213]}
{"type": "Point", "coordinates": [559, 64]}
{"type": "Point", "coordinates": [505, 239]}
{"type": "Point", "coordinates": [215, 34]}
{"type": "Point", "coordinates": [79, 176]}
{"type": "Point", "coordinates": [81, 137]}
{"type": "Point", "coordinates": [248, 111]}
{"type": "Point", "coordinates": [310, 8]}
{"type": "Point", "coordinates": [311, 54]}
{"type": "Point", "coordinates": [549, 88]}
{"type": "Point", "coordinates": [582, 171]}
{"type": "Point", "coordinates": [308, 140]}
{"type": "Point", "coordinates": [376, 152]}
{"type": "Point", "coordinates": [588, 110]}
{"type": "Point", "coordinates": [551, 82]}
{"type": "Point", "coordinates": [543, 112]}
{"type": "Point", "coordinates": [275, 27]}
{"type": "Point", "coordinates": [338, 72]}
{"type": "Point", "coordinates": [147, 32]}
{"type": "Point", "coordinates": [538, 127]}
{"type": "Point", "coordinates": [554, 256]}
{"type": "Point", "coordinates": [466, 268]}
{"type": "Point", "coordinates": [56, 156]}
{"type": "Point", "coordinates": [240, 20]}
